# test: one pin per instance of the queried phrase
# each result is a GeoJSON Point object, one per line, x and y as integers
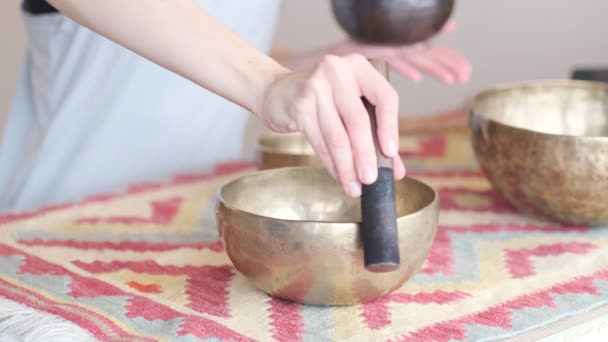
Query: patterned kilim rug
{"type": "Point", "coordinates": [145, 264]}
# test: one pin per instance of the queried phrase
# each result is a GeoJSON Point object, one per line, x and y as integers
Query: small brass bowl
{"type": "Point", "coordinates": [544, 146]}
{"type": "Point", "coordinates": [277, 150]}
{"type": "Point", "coordinates": [295, 235]}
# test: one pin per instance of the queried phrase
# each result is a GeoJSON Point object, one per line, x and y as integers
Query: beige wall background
{"type": "Point", "coordinates": [505, 40]}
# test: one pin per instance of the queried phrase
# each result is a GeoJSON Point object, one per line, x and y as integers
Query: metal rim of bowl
{"type": "Point", "coordinates": [223, 202]}
{"type": "Point", "coordinates": [535, 83]}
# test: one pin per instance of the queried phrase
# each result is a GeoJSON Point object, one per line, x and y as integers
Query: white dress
{"type": "Point", "coordinates": [90, 116]}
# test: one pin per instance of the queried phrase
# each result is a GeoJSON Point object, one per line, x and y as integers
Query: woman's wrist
{"type": "Point", "coordinates": [260, 78]}
{"type": "Point", "coordinates": [300, 60]}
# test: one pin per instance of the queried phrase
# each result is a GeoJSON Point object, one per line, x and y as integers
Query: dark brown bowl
{"type": "Point", "coordinates": [395, 22]}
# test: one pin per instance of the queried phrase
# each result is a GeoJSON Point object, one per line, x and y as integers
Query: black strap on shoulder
{"type": "Point", "coordinates": [37, 7]}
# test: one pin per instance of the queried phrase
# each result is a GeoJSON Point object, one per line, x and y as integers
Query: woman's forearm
{"type": "Point", "coordinates": [179, 36]}
{"type": "Point", "coordinates": [323, 102]}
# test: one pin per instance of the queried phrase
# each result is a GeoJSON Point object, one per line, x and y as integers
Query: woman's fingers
{"type": "Point", "coordinates": [311, 129]}
{"type": "Point", "coordinates": [398, 168]}
{"type": "Point", "coordinates": [343, 120]}
{"type": "Point", "coordinates": [335, 136]}
{"type": "Point", "coordinates": [302, 109]}
{"type": "Point", "coordinates": [457, 64]}
{"type": "Point", "coordinates": [405, 68]}
{"type": "Point", "coordinates": [338, 144]}
{"type": "Point", "coordinates": [431, 66]}
{"type": "Point", "coordinates": [327, 106]}
{"type": "Point", "coordinates": [354, 116]}
{"type": "Point", "coordinates": [379, 92]}
{"type": "Point", "coordinates": [441, 63]}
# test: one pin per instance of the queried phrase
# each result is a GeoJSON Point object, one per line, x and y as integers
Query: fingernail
{"type": "Point", "coordinates": [392, 148]}
{"type": "Point", "coordinates": [354, 189]}
{"type": "Point", "coordinates": [368, 174]}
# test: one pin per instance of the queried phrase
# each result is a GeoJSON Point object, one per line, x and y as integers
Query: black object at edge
{"type": "Point", "coordinates": [37, 7]}
{"type": "Point", "coordinates": [590, 74]}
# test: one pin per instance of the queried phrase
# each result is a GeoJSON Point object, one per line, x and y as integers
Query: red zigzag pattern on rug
{"type": "Point", "coordinates": [376, 315]}
{"type": "Point", "coordinates": [194, 325]}
{"type": "Point", "coordinates": [495, 202]}
{"type": "Point", "coordinates": [500, 315]}
{"type": "Point", "coordinates": [520, 264]}
{"type": "Point", "coordinates": [207, 286]}
{"type": "Point", "coordinates": [163, 213]}
{"type": "Point", "coordinates": [441, 255]}
{"type": "Point", "coordinates": [99, 326]}
{"type": "Point", "coordinates": [80, 286]}
{"type": "Point", "coordinates": [286, 320]}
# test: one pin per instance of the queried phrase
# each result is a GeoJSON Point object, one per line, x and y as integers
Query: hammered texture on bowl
{"type": "Point", "coordinates": [544, 146]}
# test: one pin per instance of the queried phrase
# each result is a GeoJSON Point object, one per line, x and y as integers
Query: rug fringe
{"type": "Point", "coordinates": [19, 323]}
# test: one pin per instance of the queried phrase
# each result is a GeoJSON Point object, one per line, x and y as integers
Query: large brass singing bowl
{"type": "Point", "coordinates": [544, 146]}
{"type": "Point", "coordinates": [284, 150]}
{"type": "Point", "coordinates": [295, 235]}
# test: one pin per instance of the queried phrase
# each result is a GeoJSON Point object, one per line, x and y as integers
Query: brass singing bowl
{"type": "Point", "coordinates": [295, 235]}
{"type": "Point", "coordinates": [277, 150]}
{"type": "Point", "coordinates": [544, 146]}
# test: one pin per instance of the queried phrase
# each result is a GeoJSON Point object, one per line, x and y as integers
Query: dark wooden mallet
{"type": "Point", "coordinates": [378, 210]}
{"type": "Point", "coordinates": [386, 22]}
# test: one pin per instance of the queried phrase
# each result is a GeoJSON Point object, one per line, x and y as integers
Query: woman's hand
{"type": "Point", "coordinates": [324, 103]}
{"type": "Point", "coordinates": [412, 61]}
